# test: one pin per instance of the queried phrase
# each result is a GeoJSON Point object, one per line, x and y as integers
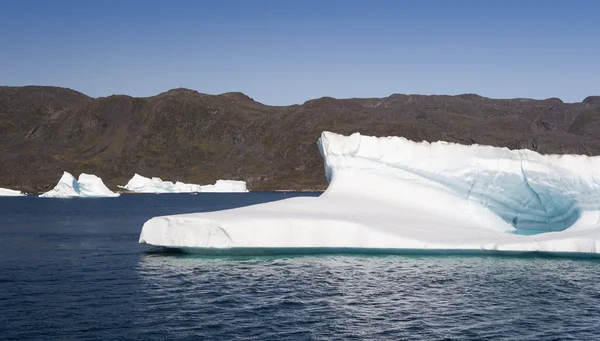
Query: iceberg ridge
{"type": "Point", "coordinates": [393, 193]}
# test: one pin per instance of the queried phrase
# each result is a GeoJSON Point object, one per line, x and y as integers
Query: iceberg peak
{"type": "Point", "coordinates": [88, 185]}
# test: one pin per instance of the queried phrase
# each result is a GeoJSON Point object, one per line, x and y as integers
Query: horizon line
{"type": "Point", "coordinates": [292, 104]}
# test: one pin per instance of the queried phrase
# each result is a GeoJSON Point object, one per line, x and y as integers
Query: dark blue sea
{"type": "Point", "coordinates": [73, 270]}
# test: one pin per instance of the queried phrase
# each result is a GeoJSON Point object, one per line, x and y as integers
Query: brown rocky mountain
{"type": "Point", "coordinates": [185, 135]}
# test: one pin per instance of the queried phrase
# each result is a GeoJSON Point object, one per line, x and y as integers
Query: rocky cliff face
{"type": "Point", "coordinates": [188, 136]}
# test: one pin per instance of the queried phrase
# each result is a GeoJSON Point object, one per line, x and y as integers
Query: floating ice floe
{"type": "Point", "coordinates": [141, 184]}
{"type": "Point", "coordinates": [392, 193]}
{"type": "Point", "coordinates": [5, 192]}
{"type": "Point", "coordinates": [88, 185]}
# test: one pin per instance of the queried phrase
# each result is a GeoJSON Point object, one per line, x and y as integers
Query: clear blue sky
{"type": "Point", "coordinates": [285, 52]}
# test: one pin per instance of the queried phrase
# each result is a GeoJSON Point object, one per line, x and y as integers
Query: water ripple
{"type": "Point", "coordinates": [352, 297]}
{"type": "Point", "coordinates": [72, 270]}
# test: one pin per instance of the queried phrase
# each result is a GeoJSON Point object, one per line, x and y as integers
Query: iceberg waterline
{"type": "Point", "coordinates": [142, 184]}
{"type": "Point", "coordinates": [88, 185]}
{"type": "Point", "coordinates": [392, 193]}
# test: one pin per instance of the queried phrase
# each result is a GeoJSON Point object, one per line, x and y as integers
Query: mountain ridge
{"type": "Point", "coordinates": [185, 135]}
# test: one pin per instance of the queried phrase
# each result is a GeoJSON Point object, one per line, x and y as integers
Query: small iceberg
{"type": "Point", "coordinates": [142, 184]}
{"type": "Point", "coordinates": [88, 185]}
{"type": "Point", "coordinates": [5, 192]}
{"type": "Point", "coordinates": [225, 186]}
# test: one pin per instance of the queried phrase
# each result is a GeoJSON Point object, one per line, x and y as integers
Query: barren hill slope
{"type": "Point", "coordinates": [185, 135]}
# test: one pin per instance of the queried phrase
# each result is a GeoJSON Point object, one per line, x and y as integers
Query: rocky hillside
{"type": "Point", "coordinates": [185, 135]}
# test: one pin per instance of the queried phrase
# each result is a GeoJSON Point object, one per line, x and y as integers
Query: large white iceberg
{"type": "Point", "coordinates": [88, 185]}
{"type": "Point", "coordinates": [392, 193]}
{"type": "Point", "coordinates": [142, 184]}
{"type": "Point", "coordinates": [5, 192]}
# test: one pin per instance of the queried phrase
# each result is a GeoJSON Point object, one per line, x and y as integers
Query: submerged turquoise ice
{"type": "Point", "coordinates": [392, 193]}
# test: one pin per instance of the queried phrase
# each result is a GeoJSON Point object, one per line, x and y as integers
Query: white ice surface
{"type": "Point", "coordinates": [141, 184]}
{"type": "Point", "coordinates": [393, 193]}
{"type": "Point", "coordinates": [225, 186]}
{"type": "Point", "coordinates": [92, 186]}
{"type": "Point", "coordinates": [4, 192]}
{"type": "Point", "coordinates": [88, 185]}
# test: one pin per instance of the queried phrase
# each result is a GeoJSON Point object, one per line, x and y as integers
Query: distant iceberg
{"type": "Point", "coordinates": [142, 184]}
{"type": "Point", "coordinates": [225, 186]}
{"type": "Point", "coordinates": [4, 192]}
{"type": "Point", "coordinates": [392, 193]}
{"type": "Point", "coordinates": [88, 185]}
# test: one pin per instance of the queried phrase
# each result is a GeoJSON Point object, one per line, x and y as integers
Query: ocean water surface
{"type": "Point", "coordinates": [72, 270]}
